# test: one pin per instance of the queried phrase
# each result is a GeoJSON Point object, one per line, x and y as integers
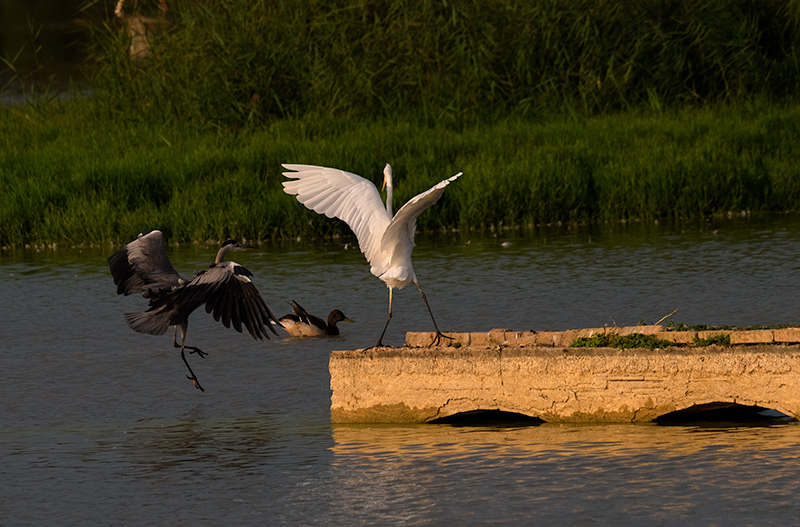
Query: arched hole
{"type": "Point", "coordinates": [724, 414]}
{"type": "Point", "coordinates": [496, 418]}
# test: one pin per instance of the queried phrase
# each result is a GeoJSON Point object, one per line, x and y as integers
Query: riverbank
{"type": "Point", "coordinates": [73, 174]}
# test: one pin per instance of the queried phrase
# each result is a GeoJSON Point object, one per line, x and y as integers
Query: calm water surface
{"type": "Point", "coordinates": [99, 426]}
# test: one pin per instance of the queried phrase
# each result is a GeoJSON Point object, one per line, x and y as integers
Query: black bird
{"type": "Point", "coordinates": [304, 324]}
{"type": "Point", "coordinates": [225, 288]}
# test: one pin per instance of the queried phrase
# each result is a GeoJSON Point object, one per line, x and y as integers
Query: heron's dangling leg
{"type": "Point", "coordinates": [439, 334]}
{"type": "Point", "coordinates": [193, 378]}
{"type": "Point", "coordinates": [388, 319]}
{"type": "Point", "coordinates": [191, 349]}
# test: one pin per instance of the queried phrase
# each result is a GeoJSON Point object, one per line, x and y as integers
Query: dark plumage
{"type": "Point", "coordinates": [304, 324]}
{"type": "Point", "coordinates": [225, 288]}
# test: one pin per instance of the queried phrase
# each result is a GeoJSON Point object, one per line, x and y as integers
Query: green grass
{"type": "Point", "coordinates": [716, 340]}
{"type": "Point", "coordinates": [705, 327]}
{"type": "Point", "coordinates": [609, 340]}
{"type": "Point", "coordinates": [585, 111]}
{"type": "Point", "coordinates": [637, 340]}
{"type": "Point", "coordinates": [72, 173]}
{"type": "Point", "coordinates": [232, 64]}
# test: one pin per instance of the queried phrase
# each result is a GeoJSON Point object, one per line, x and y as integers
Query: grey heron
{"type": "Point", "coordinates": [142, 267]}
{"type": "Point", "coordinates": [385, 239]}
{"type": "Point", "coordinates": [304, 324]}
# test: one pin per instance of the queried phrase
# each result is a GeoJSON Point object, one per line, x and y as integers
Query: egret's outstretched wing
{"type": "Point", "coordinates": [143, 267]}
{"type": "Point", "coordinates": [400, 231]}
{"type": "Point", "coordinates": [339, 194]}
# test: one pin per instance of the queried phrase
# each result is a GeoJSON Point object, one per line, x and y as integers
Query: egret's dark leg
{"type": "Point", "coordinates": [439, 334]}
{"type": "Point", "coordinates": [183, 345]}
{"type": "Point", "coordinates": [388, 319]}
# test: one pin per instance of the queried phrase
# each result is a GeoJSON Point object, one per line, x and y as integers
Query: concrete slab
{"type": "Point", "coordinates": [558, 384]}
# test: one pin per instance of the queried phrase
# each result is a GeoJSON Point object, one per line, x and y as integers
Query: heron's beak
{"type": "Point", "coordinates": [245, 247]}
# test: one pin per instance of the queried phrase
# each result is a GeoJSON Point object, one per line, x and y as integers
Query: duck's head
{"type": "Point", "coordinates": [337, 316]}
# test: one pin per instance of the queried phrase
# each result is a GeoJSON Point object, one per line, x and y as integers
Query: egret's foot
{"type": "Point", "coordinates": [380, 344]}
{"type": "Point", "coordinates": [438, 339]}
{"type": "Point", "coordinates": [195, 382]}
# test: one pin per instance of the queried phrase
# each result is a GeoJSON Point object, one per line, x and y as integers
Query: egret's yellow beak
{"type": "Point", "coordinates": [383, 187]}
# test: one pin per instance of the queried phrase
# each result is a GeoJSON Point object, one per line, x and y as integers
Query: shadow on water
{"type": "Point", "coordinates": [718, 415]}
{"type": "Point", "coordinates": [723, 414]}
{"type": "Point", "coordinates": [496, 418]}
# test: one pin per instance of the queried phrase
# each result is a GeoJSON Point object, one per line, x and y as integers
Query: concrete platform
{"type": "Point", "coordinates": [521, 372]}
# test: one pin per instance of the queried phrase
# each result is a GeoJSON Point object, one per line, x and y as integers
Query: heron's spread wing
{"type": "Point", "coordinates": [143, 267]}
{"type": "Point", "coordinates": [401, 228]}
{"type": "Point", "coordinates": [229, 294]}
{"type": "Point", "coordinates": [339, 194]}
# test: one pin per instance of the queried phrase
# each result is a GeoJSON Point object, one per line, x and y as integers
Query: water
{"type": "Point", "coordinates": [98, 424]}
{"type": "Point", "coordinates": [47, 43]}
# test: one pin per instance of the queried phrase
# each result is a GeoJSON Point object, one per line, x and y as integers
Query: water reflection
{"type": "Point", "coordinates": [621, 475]}
{"type": "Point", "coordinates": [448, 443]}
{"type": "Point", "coordinates": [236, 446]}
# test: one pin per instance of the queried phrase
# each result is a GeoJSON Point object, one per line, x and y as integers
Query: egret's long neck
{"type": "Point", "coordinates": [387, 179]}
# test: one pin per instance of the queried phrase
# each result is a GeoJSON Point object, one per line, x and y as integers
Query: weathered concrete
{"type": "Point", "coordinates": [514, 372]}
{"type": "Point", "coordinates": [507, 337]}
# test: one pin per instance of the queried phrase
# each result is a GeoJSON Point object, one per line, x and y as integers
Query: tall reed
{"type": "Point", "coordinates": [234, 63]}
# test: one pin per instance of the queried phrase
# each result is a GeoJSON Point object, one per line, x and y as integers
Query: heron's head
{"type": "Point", "coordinates": [233, 245]}
{"type": "Point", "coordinates": [387, 176]}
{"type": "Point", "coordinates": [228, 246]}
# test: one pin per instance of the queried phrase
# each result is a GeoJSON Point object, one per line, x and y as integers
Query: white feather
{"type": "Point", "coordinates": [386, 241]}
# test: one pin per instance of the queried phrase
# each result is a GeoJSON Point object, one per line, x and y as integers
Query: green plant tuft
{"type": "Point", "coordinates": [610, 340]}
{"type": "Point", "coordinates": [716, 340]}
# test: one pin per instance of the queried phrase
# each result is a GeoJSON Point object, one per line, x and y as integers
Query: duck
{"type": "Point", "coordinates": [303, 324]}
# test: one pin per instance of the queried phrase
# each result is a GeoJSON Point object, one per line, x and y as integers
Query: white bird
{"type": "Point", "coordinates": [385, 239]}
{"type": "Point", "coordinates": [225, 288]}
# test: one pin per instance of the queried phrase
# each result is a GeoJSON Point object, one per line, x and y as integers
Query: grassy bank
{"type": "Point", "coordinates": [70, 173]}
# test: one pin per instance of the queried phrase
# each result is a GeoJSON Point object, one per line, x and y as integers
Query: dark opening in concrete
{"type": "Point", "coordinates": [724, 413]}
{"type": "Point", "coordinates": [497, 418]}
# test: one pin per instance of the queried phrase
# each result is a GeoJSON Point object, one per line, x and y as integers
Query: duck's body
{"type": "Point", "coordinates": [386, 239]}
{"type": "Point", "coordinates": [303, 324]}
{"type": "Point", "coordinates": [224, 288]}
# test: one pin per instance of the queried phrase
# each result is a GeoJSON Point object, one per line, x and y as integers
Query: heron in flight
{"type": "Point", "coordinates": [304, 324]}
{"type": "Point", "coordinates": [224, 287]}
{"type": "Point", "coordinates": [386, 239]}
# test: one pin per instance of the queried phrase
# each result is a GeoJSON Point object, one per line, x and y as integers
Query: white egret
{"type": "Point", "coordinates": [304, 324]}
{"type": "Point", "coordinates": [225, 288]}
{"type": "Point", "coordinates": [385, 239]}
